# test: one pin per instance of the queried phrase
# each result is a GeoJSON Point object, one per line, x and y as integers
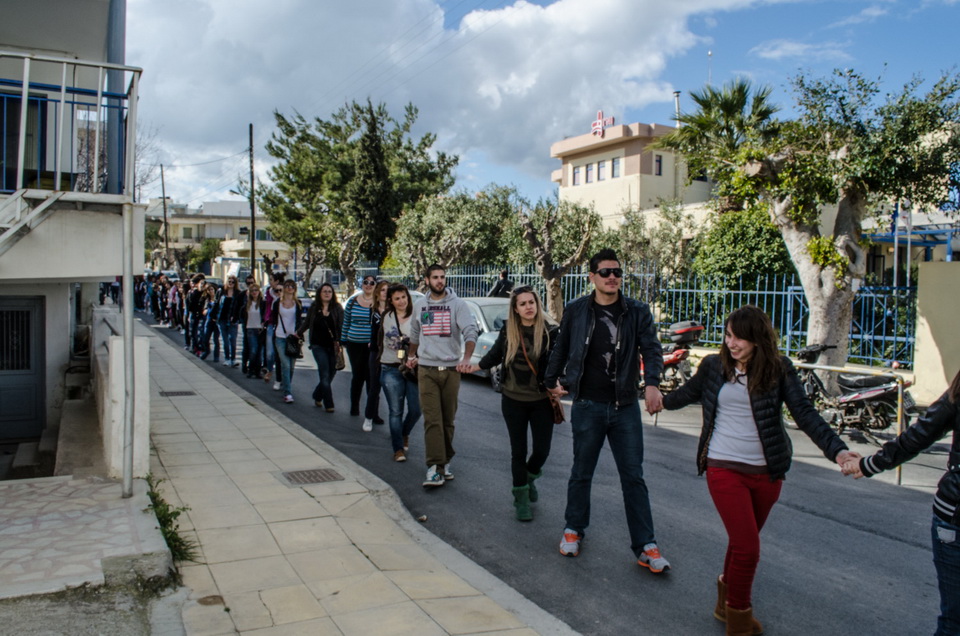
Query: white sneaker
{"type": "Point", "coordinates": [225, 363]}
{"type": "Point", "coordinates": [276, 386]}
{"type": "Point", "coordinates": [434, 477]}
{"type": "Point", "coordinates": [367, 425]}
{"type": "Point", "coordinates": [447, 474]}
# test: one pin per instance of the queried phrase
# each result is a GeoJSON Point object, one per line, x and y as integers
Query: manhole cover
{"type": "Point", "coordinates": [176, 393]}
{"type": "Point", "coordinates": [313, 476]}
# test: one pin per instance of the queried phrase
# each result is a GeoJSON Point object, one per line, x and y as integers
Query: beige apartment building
{"type": "Point", "coordinates": [613, 169]}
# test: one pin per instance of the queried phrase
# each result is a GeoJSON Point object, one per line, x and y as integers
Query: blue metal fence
{"type": "Point", "coordinates": [884, 318]}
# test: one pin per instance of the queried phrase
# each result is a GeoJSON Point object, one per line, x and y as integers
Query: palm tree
{"type": "Point", "coordinates": [725, 121]}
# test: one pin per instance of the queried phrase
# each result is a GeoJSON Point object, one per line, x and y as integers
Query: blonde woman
{"type": "Point", "coordinates": [252, 318]}
{"type": "Point", "coordinates": [523, 348]}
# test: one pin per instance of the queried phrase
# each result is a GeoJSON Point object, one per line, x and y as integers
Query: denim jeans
{"type": "Point", "coordinates": [270, 358]}
{"type": "Point", "coordinates": [251, 350]}
{"type": "Point", "coordinates": [208, 331]}
{"type": "Point", "coordinates": [592, 422]}
{"type": "Point", "coordinates": [228, 331]}
{"type": "Point", "coordinates": [286, 366]}
{"type": "Point", "coordinates": [195, 330]}
{"type": "Point", "coordinates": [398, 390]}
{"type": "Point", "coordinates": [326, 369]}
{"type": "Point", "coordinates": [946, 558]}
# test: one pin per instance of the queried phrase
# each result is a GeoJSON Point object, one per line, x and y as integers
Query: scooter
{"type": "Point", "coordinates": [867, 403]}
{"type": "Point", "coordinates": [676, 364]}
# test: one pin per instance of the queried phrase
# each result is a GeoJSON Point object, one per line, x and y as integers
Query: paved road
{"type": "Point", "coordinates": [839, 556]}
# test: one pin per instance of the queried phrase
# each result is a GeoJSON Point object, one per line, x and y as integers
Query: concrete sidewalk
{"type": "Point", "coordinates": [328, 549]}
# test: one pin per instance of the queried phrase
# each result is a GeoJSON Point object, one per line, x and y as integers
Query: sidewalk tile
{"type": "Point", "coordinates": [373, 590]}
{"type": "Point", "coordinates": [185, 459]}
{"type": "Point", "coordinates": [389, 557]}
{"type": "Point", "coordinates": [290, 510]}
{"type": "Point", "coordinates": [224, 516]}
{"type": "Point", "coordinates": [206, 620]}
{"type": "Point", "coordinates": [248, 467]}
{"type": "Point", "coordinates": [237, 544]}
{"type": "Point", "coordinates": [330, 564]}
{"type": "Point", "coordinates": [469, 614]}
{"type": "Point", "coordinates": [393, 620]}
{"type": "Point", "coordinates": [317, 627]}
{"type": "Point", "coordinates": [198, 578]}
{"type": "Point", "coordinates": [291, 604]}
{"type": "Point", "coordinates": [422, 584]}
{"type": "Point", "coordinates": [253, 574]}
{"type": "Point", "coordinates": [304, 535]}
{"type": "Point", "coordinates": [248, 611]}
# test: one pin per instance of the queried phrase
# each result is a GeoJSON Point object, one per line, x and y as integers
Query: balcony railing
{"type": "Point", "coordinates": [66, 124]}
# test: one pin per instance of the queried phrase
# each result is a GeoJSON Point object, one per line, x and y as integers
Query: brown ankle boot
{"type": "Point", "coordinates": [742, 622]}
{"type": "Point", "coordinates": [720, 611]}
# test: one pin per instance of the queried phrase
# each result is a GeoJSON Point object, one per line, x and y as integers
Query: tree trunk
{"type": "Point", "coordinates": [829, 289]}
{"type": "Point", "coordinates": [554, 297]}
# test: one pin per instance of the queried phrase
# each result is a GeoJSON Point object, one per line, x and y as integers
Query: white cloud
{"type": "Point", "coordinates": [503, 84]}
{"type": "Point", "coordinates": [869, 14]}
{"type": "Point", "coordinates": [784, 49]}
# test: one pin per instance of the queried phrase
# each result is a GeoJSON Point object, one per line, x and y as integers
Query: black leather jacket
{"type": "Point", "coordinates": [941, 418]}
{"type": "Point", "coordinates": [636, 334]}
{"type": "Point", "coordinates": [767, 413]}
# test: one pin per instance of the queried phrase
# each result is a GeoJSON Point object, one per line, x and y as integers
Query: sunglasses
{"type": "Point", "coordinates": [369, 282]}
{"type": "Point", "coordinates": [526, 289]}
{"type": "Point", "coordinates": [605, 272]}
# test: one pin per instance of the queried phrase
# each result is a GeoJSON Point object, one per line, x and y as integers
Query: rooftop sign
{"type": "Point", "coordinates": [596, 128]}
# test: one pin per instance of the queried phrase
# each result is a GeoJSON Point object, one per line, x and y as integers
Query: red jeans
{"type": "Point", "coordinates": [743, 501]}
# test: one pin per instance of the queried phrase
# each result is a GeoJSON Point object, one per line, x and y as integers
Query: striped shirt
{"type": "Point", "coordinates": [356, 322]}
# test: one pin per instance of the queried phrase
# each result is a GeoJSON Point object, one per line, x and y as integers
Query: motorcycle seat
{"type": "Point", "coordinates": [855, 381]}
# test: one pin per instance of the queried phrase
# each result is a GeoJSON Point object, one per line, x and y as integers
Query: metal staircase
{"type": "Point", "coordinates": [23, 211]}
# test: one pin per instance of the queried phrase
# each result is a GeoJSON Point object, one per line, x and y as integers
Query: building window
{"type": "Point", "coordinates": [589, 173]}
{"type": "Point", "coordinates": [576, 176]}
{"type": "Point", "coordinates": [601, 171]}
{"type": "Point", "coordinates": [658, 165]}
{"type": "Point", "coordinates": [263, 235]}
{"type": "Point", "coordinates": [188, 232]}
{"type": "Point", "coordinates": [615, 168]}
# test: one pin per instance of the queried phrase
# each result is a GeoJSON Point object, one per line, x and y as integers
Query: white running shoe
{"type": "Point", "coordinates": [434, 477]}
{"type": "Point", "coordinates": [447, 473]}
{"type": "Point", "coordinates": [276, 386]}
{"type": "Point", "coordinates": [367, 425]}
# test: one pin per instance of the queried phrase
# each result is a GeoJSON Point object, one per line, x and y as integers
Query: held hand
{"type": "Point", "coordinates": [557, 391]}
{"type": "Point", "coordinates": [464, 366]}
{"type": "Point", "coordinates": [411, 363]}
{"type": "Point", "coordinates": [849, 462]}
{"type": "Point", "coordinates": [653, 399]}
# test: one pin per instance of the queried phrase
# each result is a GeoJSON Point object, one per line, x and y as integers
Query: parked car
{"type": "Point", "coordinates": [491, 317]}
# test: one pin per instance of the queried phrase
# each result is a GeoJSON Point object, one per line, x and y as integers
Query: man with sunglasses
{"type": "Point", "coordinates": [595, 360]}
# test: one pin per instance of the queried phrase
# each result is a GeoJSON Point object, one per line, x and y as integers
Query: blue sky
{"type": "Point", "coordinates": [498, 81]}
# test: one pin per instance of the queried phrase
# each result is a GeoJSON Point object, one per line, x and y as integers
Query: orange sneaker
{"type": "Point", "coordinates": [650, 558]}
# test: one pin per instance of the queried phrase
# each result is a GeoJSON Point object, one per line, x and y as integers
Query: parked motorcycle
{"type": "Point", "coordinates": [676, 364]}
{"type": "Point", "coordinates": [867, 403]}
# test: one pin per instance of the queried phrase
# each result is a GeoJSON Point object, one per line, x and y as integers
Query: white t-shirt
{"type": "Point", "coordinates": [287, 322]}
{"type": "Point", "coordinates": [254, 321]}
{"type": "Point", "coordinates": [735, 437]}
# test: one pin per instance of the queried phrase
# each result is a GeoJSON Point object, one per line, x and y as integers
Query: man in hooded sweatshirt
{"type": "Point", "coordinates": [440, 322]}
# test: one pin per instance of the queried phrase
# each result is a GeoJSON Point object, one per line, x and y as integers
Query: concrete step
{"type": "Point", "coordinates": [80, 444]}
{"type": "Point", "coordinates": [26, 461]}
{"type": "Point", "coordinates": [48, 440]}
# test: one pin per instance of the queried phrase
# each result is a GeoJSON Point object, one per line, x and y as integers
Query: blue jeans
{"type": "Point", "coordinates": [270, 359]}
{"type": "Point", "coordinates": [398, 390]}
{"type": "Point", "coordinates": [228, 331]}
{"type": "Point", "coordinates": [208, 331]}
{"type": "Point", "coordinates": [946, 558]}
{"type": "Point", "coordinates": [326, 369]}
{"type": "Point", "coordinates": [251, 350]}
{"type": "Point", "coordinates": [592, 422]}
{"type": "Point", "coordinates": [286, 366]}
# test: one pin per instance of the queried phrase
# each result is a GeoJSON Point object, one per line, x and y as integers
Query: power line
{"type": "Point", "coordinates": [205, 163]}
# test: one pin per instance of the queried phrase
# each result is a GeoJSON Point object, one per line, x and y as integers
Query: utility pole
{"type": "Point", "coordinates": [166, 225]}
{"type": "Point", "coordinates": [253, 215]}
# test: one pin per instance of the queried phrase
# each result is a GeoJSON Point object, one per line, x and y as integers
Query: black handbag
{"type": "Point", "coordinates": [294, 347]}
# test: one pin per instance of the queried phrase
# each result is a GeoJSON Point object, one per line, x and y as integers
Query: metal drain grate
{"type": "Point", "coordinates": [176, 393]}
{"type": "Point", "coordinates": [313, 476]}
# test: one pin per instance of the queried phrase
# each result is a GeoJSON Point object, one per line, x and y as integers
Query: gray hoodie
{"type": "Point", "coordinates": [439, 327]}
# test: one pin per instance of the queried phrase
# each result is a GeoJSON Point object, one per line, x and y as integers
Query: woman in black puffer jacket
{"type": "Point", "coordinates": [744, 448]}
{"type": "Point", "coordinates": [941, 418]}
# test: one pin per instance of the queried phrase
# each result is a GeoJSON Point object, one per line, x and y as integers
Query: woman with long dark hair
{"type": "Point", "coordinates": [251, 316]}
{"type": "Point", "coordinates": [325, 319]}
{"type": "Point", "coordinates": [942, 418]}
{"type": "Point", "coordinates": [392, 353]}
{"type": "Point", "coordinates": [371, 413]}
{"type": "Point", "coordinates": [355, 337]}
{"type": "Point", "coordinates": [228, 316]}
{"type": "Point", "coordinates": [523, 348]}
{"type": "Point", "coordinates": [744, 448]}
{"type": "Point", "coordinates": [287, 320]}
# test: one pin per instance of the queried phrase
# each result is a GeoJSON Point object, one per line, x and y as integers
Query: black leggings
{"type": "Point", "coordinates": [359, 354]}
{"type": "Point", "coordinates": [539, 415]}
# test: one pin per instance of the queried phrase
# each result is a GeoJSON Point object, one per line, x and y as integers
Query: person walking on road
{"type": "Point", "coordinates": [372, 411]}
{"type": "Point", "coordinates": [287, 321]}
{"type": "Point", "coordinates": [942, 418]}
{"type": "Point", "coordinates": [325, 321]}
{"type": "Point", "coordinates": [596, 360]}
{"type": "Point", "coordinates": [397, 386]}
{"type": "Point", "coordinates": [271, 362]}
{"type": "Point", "coordinates": [210, 330]}
{"type": "Point", "coordinates": [744, 448]}
{"type": "Point", "coordinates": [355, 338]}
{"type": "Point", "coordinates": [523, 348]}
{"type": "Point", "coordinates": [245, 355]}
{"type": "Point", "coordinates": [251, 317]}
{"type": "Point", "coordinates": [441, 322]}
{"type": "Point", "coordinates": [503, 286]}
{"type": "Point", "coordinates": [228, 317]}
